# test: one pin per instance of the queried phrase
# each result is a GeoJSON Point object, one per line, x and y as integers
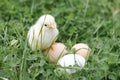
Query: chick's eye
{"type": "Point", "coordinates": [45, 24]}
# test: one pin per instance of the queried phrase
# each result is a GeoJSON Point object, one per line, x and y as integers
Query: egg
{"type": "Point", "coordinates": [68, 63]}
{"type": "Point", "coordinates": [81, 49]}
{"type": "Point", "coordinates": [56, 51]}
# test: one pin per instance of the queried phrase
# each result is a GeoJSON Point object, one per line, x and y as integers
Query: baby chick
{"type": "Point", "coordinates": [43, 33]}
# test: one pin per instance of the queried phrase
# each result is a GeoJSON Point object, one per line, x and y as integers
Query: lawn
{"type": "Point", "coordinates": [94, 22]}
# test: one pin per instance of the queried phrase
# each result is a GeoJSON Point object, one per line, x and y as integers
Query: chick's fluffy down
{"type": "Point", "coordinates": [40, 36]}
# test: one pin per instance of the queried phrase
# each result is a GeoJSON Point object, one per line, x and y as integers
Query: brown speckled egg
{"type": "Point", "coordinates": [82, 49]}
{"type": "Point", "coordinates": [56, 51]}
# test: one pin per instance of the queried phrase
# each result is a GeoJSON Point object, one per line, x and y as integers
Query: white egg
{"type": "Point", "coordinates": [56, 51]}
{"type": "Point", "coordinates": [68, 63]}
{"type": "Point", "coordinates": [81, 49]}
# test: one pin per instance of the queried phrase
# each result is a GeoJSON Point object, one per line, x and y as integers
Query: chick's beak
{"type": "Point", "coordinates": [51, 26]}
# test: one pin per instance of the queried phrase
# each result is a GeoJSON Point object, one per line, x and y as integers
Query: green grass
{"type": "Point", "coordinates": [86, 21]}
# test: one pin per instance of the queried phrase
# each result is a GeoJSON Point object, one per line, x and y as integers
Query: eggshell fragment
{"type": "Point", "coordinates": [69, 62]}
{"type": "Point", "coordinates": [56, 51]}
{"type": "Point", "coordinates": [82, 49]}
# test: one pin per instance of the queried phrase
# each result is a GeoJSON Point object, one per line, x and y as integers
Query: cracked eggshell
{"type": "Point", "coordinates": [82, 49]}
{"type": "Point", "coordinates": [56, 51]}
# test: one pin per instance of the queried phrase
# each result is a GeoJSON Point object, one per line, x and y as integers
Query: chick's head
{"type": "Point", "coordinates": [47, 22]}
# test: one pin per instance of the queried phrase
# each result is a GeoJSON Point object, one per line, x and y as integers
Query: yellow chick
{"type": "Point", "coordinates": [43, 33]}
